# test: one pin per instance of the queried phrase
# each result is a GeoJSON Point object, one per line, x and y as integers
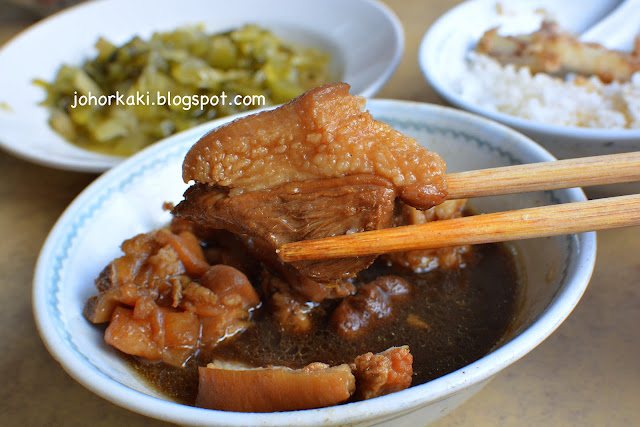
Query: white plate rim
{"type": "Point", "coordinates": [429, 44]}
{"type": "Point", "coordinates": [70, 157]}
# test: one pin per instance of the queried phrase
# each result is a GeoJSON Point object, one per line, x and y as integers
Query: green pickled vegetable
{"type": "Point", "coordinates": [130, 96]}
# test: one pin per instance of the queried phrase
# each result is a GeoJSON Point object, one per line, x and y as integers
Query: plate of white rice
{"type": "Point", "coordinates": [570, 101]}
{"type": "Point", "coordinates": [571, 117]}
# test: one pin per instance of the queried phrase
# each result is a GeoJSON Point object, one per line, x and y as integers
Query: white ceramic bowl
{"type": "Point", "coordinates": [361, 57]}
{"type": "Point", "coordinates": [127, 200]}
{"type": "Point", "coordinates": [446, 44]}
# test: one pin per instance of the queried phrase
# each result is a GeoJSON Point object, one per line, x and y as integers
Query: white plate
{"type": "Point", "coordinates": [364, 38]}
{"type": "Point", "coordinates": [128, 199]}
{"type": "Point", "coordinates": [446, 44]}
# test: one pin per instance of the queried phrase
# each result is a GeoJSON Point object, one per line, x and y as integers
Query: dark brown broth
{"type": "Point", "coordinates": [466, 311]}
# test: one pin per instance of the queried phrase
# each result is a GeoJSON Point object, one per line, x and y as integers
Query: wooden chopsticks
{"type": "Point", "coordinates": [495, 227]}
{"type": "Point", "coordinates": [581, 172]}
{"type": "Point", "coordinates": [592, 215]}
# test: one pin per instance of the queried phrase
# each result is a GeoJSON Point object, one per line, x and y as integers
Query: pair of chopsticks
{"type": "Point", "coordinates": [568, 218]}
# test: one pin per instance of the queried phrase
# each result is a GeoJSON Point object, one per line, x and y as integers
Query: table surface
{"type": "Point", "coordinates": [586, 373]}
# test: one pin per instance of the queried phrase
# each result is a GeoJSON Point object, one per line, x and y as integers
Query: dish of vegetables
{"type": "Point", "coordinates": [132, 95]}
{"type": "Point", "coordinates": [197, 60]}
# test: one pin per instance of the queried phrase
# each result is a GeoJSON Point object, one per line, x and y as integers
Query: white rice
{"type": "Point", "coordinates": [543, 98]}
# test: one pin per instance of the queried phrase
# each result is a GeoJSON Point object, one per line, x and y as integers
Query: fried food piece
{"type": "Point", "coordinates": [554, 51]}
{"type": "Point", "coordinates": [324, 133]}
{"type": "Point", "coordinates": [382, 373]}
{"type": "Point", "coordinates": [274, 389]}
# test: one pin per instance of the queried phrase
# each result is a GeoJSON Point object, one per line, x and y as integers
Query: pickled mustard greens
{"type": "Point", "coordinates": [152, 89]}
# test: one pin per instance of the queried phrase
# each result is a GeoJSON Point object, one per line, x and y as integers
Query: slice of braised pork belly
{"type": "Point", "coordinates": [316, 167]}
{"type": "Point", "coordinates": [323, 133]}
{"type": "Point", "coordinates": [317, 385]}
{"type": "Point", "coordinates": [274, 389]}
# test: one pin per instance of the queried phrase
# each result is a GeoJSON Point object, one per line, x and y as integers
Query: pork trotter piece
{"type": "Point", "coordinates": [155, 333]}
{"type": "Point", "coordinates": [154, 265]}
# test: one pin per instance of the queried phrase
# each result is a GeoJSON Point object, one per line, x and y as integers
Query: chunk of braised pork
{"type": "Point", "coordinates": [316, 167]}
{"type": "Point", "coordinates": [313, 290]}
{"type": "Point", "coordinates": [164, 302]}
{"type": "Point", "coordinates": [154, 333]}
{"type": "Point", "coordinates": [229, 249]}
{"type": "Point", "coordinates": [324, 133]}
{"type": "Point", "coordinates": [154, 265]}
{"type": "Point", "coordinates": [382, 373]}
{"type": "Point", "coordinates": [299, 284]}
{"type": "Point", "coordinates": [278, 388]}
{"type": "Point", "coordinates": [209, 311]}
{"type": "Point", "coordinates": [290, 310]}
{"type": "Point", "coordinates": [372, 303]}
{"type": "Point", "coordinates": [274, 389]}
{"type": "Point", "coordinates": [222, 299]}
{"type": "Point", "coordinates": [298, 211]}
{"type": "Point", "coordinates": [423, 260]}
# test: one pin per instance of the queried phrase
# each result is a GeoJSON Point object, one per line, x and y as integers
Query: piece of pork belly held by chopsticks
{"type": "Point", "coordinates": [316, 167]}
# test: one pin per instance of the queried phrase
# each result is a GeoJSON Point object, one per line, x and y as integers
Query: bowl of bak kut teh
{"type": "Point", "coordinates": [160, 288]}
